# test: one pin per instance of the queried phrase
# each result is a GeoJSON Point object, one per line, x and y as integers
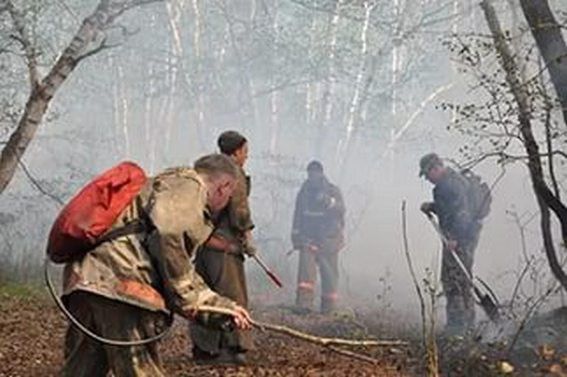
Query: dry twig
{"type": "Point", "coordinates": [428, 336]}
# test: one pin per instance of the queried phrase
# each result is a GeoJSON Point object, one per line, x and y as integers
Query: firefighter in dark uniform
{"type": "Point", "coordinates": [454, 210]}
{"type": "Point", "coordinates": [221, 263]}
{"type": "Point", "coordinates": [318, 225]}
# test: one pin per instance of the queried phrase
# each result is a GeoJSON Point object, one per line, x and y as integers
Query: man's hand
{"type": "Point", "coordinates": [452, 245]}
{"type": "Point", "coordinates": [327, 200]}
{"type": "Point", "coordinates": [248, 244]}
{"type": "Point", "coordinates": [312, 248]}
{"type": "Point", "coordinates": [242, 318]}
{"type": "Point", "coordinates": [427, 208]}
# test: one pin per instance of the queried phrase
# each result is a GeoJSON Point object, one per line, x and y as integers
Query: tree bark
{"type": "Point", "coordinates": [547, 33]}
{"type": "Point", "coordinates": [545, 198]}
{"type": "Point", "coordinates": [88, 40]}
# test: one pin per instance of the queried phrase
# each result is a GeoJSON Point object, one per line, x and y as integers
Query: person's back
{"type": "Point", "coordinates": [125, 269]}
{"type": "Point", "coordinates": [453, 206]}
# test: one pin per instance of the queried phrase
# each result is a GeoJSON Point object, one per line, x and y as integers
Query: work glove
{"type": "Point", "coordinates": [250, 249]}
{"type": "Point", "coordinates": [326, 200]}
{"type": "Point", "coordinates": [248, 245]}
{"type": "Point", "coordinates": [452, 245]}
{"type": "Point", "coordinates": [427, 208]}
{"type": "Point", "coordinates": [239, 318]}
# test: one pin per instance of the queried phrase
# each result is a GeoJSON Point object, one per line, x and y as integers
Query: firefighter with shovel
{"type": "Point", "coordinates": [460, 203]}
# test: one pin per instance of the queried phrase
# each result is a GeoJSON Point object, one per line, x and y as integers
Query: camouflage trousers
{"type": "Point", "coordinates": [111, 319]}
{"type": "Point", "coordinates": [460, 307]}
{"type": "Point", "coordinates": [327, 262]}
{"type": "Point", "coordinates": [224, 273]}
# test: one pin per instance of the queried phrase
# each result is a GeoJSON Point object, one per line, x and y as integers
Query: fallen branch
{"type": "Point", "coordinates": [328, 343]}
{"type": "Point", "coordinates": [353, 355]}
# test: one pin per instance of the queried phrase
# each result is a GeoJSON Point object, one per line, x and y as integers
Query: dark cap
{"type": "Point", "coordinates": [427, 162]}
{"type": "Point", "coordinates": [230, 141]}
{"type": "Point", "coordinates": [315, 166]}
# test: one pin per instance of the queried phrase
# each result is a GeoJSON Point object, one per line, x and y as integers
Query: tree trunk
{"type": "Point", "coordinates": [328, 94]}
{"type": "Point", "coordinates": [396, 59]}
{"type": "Point", "coordinates": [547, 33]}
{"type": "Point", "coordinates": [88, 40]}
{"type": "Point", "coordinates": [274, 97]}
{"type": "Point", "coordinates": [200, 79]}
{"type": "Point", "coordinates": [545, 198]}
{"type": "Point", "coordinates": [354, 108]}
{"type": "Point", "coordinates": [122, 102]}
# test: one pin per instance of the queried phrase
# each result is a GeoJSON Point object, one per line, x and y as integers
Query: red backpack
{"type": "Point", "coordinates": [90, 213]}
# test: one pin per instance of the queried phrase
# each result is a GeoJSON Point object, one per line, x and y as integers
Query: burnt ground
{"type": "Point", "coordinates": [32, 329]}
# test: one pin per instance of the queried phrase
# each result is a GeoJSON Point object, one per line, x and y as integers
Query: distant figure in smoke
{"type": "Point", "coordinates": [461, 225]}
{"type": "Point", "coordinates": [221, 263]}
{"type": "Point", "coordinates": [318, 225]}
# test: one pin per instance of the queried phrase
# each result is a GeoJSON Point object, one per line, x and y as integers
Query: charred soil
{"type": "Point", "coordinates": [32, 331]}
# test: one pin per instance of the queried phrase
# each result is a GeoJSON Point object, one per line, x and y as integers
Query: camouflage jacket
{"type": "Point", "coordinates": [319, 216]}
{"type": "Point", "coordinates": [453, 208]}
{"type": "Point", "coordinates": [153, 270]}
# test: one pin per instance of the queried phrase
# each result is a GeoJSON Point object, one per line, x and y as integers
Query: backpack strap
{"type": "Point", "coordinates": [142, 224]}
{"type": "Point", "coordinates": [134, 227]}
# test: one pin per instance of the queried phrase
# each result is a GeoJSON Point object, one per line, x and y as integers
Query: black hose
{"type": "Point", "coordinates": [89, 333]}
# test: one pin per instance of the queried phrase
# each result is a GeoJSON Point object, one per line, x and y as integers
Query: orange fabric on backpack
{"type": "Point", "coordinates": [93, 211]}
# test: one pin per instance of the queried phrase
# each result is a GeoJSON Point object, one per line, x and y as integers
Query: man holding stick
{"type": "Point", "coordinates": [125, 286]}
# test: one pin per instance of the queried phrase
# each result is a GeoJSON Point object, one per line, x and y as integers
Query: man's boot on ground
{"type": "Point", "coordinates": [305, 298]}
{"type": "Point", "coordinates": [328, 303]}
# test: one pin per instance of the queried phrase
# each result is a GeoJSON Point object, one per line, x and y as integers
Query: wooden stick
{"type": "Point", "coordinates": [328, 343]}
{"type": "Point", "coordinates": [353, 355]}
{"type": "Point", "coordinates": [305, 336]}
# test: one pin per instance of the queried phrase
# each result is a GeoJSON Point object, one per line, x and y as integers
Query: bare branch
{"type": "Point", "coordinates": [327, 343]}
{"type": "Point", "coordinates": [38, 186]}
{"type": "Point", "coordinates": [24, 39]}
{"type": "Point", "coordinates": [91, 30]}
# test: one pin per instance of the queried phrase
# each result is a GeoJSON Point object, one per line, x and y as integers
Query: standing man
{"type": "Point", "coordinates": [454, 208]}
{"type": "Point", "coordinates": [221, 263]}
{"type": "Point", "coordinates": [318, 225]}
{"type": "Point", "coordinates": [123, 288]}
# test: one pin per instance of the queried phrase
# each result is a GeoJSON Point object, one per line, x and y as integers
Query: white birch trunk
{"type": "Point", "coordinates": [329, 90]}
{"type": "Point", "coordinates": [87, 41]}
{"type": "Point", "coordinates": [353, 113]}
{"type": "Point", "coordinates": [274, 108]}
{"type": "Point", "coordinates": [124, 112]}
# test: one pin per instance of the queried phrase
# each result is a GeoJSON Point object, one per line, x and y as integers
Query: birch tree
{"type": "Point", "coordinates": [89, 40]}
{"type": "Point", "coordinates": [547, 34]}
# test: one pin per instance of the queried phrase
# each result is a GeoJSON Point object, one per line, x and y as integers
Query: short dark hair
{"type": "Point", "coordinates": [231, 141]}
{"type": "Point", "coordinates": [216, 164]}
{"type": "Point", "coordinates": [315, 166]}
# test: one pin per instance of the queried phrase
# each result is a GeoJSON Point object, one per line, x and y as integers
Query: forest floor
{"type": "Point", "coordinates": [32, 331]}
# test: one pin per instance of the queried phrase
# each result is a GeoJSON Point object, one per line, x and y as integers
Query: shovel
{"type": "Point", "coordinates": [488, 300]}
{"type": "Point", "coordinates": [268, 272]}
